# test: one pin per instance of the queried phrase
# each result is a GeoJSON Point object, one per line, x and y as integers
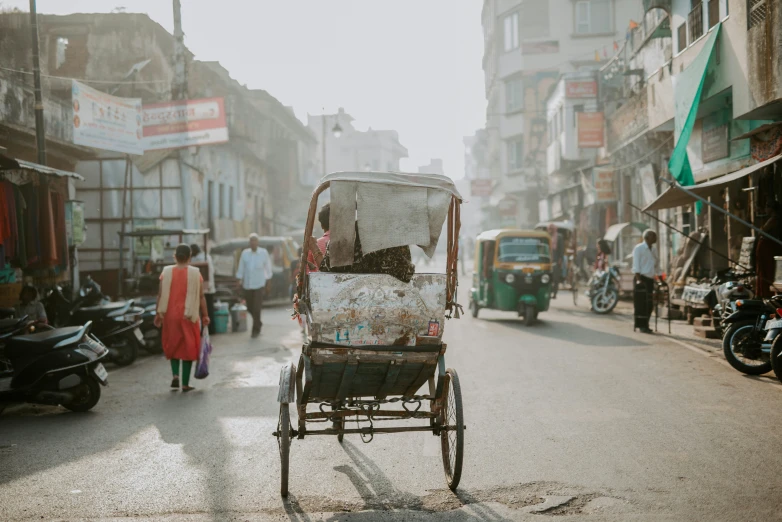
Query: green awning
{"type": "Point", "coordinates": [688, 87]}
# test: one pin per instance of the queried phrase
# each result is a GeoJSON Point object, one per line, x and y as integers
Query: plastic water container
{"type": "Point", "coordinates": [239, 318]}
{"type": "Point", "coordinates": [221, 318]}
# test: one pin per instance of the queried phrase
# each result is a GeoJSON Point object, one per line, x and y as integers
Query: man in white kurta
{"type": "Point", "coordinates": [645, 268]}
{"type": "Point", "coordinates": [255, 268]}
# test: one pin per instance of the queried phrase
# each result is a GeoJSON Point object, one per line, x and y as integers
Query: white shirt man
{"type": "Point", "coordinates": [645, 268]}
{"type": "Point", "coordinates": [255, 268]}
{"type": "Point", "coordinates": [645, 260]}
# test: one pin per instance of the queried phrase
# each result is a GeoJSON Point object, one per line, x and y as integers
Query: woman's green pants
{"type": "Point", "coordinates": [186, 367]}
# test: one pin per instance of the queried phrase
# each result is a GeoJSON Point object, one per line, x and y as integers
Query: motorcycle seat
{"type": "Point", "coordinates": [91, 312]}
{"type": "Point", "coordinates": [33, 344]}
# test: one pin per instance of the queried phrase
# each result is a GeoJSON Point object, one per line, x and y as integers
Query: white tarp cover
{"type": "Point", "coordinates": [389, 215]}
{"type": "Point", "coordinates": [430, 181]}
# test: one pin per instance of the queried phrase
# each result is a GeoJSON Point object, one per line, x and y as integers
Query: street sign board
{"type": "Point", "coordinates": [106, 122]}
{"type": "Point", "coordinates": [481, 188]}
{"type": "Point", "coordinates": [604, 185]}
{"type": "Point", "coordinates": [590, 130]}
{"type": "Point", "coordinates": [581, 89]}
{"type": "Point", "coordinates": [185, 123]}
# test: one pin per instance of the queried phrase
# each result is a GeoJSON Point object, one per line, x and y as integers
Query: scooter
{"type": "Point", "coordinates": [746, 344]}
{"type": "Point", "coordinates": [603, 290]}
{"type": "Point", "coordinates": [116, 324]}
{"type": "Point", "coordinates": [55, 366]}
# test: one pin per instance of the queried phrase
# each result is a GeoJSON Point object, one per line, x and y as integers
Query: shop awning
{"type": "Point", "coordinates": [614, 230]}
{"type": "Point", "coordinates": [9, 163]}
{"type": "Point", "coordinates": [675, 197]}
{"type": "Point", "coordinates": [762, 128]}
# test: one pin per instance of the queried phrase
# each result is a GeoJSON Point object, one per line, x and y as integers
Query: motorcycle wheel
{"type": "Point", "coordinates": [733, 344]}
{"type": "Point", "coordinates": [153, 345]}
{"type": "Point", "coordinates": [604, 302]}
{"type": "Point", "coordinates": [89, 398]}
{"type": "Point", "coordinates": [776, 357]}
{"type": "Point", "coordinates": [127, 352]}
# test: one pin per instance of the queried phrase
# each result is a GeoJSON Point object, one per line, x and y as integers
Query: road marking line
{"type": "Point", "coordinates": [712, 356]}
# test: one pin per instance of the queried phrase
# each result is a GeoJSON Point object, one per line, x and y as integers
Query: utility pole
{"type": "Point", "coordinates": [179, 92]}
{"type": "Point", "coordinates": [40, 134]}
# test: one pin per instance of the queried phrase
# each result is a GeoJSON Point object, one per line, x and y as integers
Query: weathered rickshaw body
{"type": "Point", "coordinates": [374, 349]}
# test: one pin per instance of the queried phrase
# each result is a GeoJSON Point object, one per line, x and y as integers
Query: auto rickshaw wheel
{"type": "Point", "coordinates": [452, 430]}
{"type": "Point", "coordinates": [530, 314]}
{"type": "Point", "coordinates": [474, 308]}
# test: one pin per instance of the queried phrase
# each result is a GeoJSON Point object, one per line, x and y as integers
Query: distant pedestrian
{"type": "Point", "coordinates": [210, 290]}
{"type": "Point", "coordinates": [646, 268]}
{"type": "Point", "coordinates": [180, 305]}
{"type": "Point", "coordinates": [324, 217]}
{"type": "Point", "coordinates": [29, 306]}
{"type": "Point", "coordinates": [255, 269]}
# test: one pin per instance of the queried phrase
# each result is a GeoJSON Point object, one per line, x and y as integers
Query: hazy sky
{"type": "Point", "coordinates": [409, 65]}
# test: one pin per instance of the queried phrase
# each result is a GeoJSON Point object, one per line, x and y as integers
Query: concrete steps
{"type": "Point", "coordinates": [703, 320]}
{"type": "Point", "coordinates": [706, 332]}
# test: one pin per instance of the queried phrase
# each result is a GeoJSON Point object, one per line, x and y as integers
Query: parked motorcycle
{"type": "Point", "coordinates": [727, 288]}
{"type": "Point", "coordinates": [604, 290]}
{"type": "Point", "coordinates": [116, 324]}
{"type": "Point", "coordinates": [54, 366]}
{"type": "Point", "coordinates": [745, 343]}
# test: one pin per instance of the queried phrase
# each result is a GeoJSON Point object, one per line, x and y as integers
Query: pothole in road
{"type": "Point", "coordinates": [541, 498]}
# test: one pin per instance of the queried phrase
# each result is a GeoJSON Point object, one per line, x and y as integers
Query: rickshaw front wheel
{"type": "Point", "coordinates": [530, 314]}
{"type": "Point", "coordinates": [474, 308]}
{"type": "Point", "coordinates": [284, 443]}
{"type": "Point", "coordinates": [452, 430]}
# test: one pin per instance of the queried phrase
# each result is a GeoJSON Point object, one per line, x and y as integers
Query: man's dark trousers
{"type": "Point", "coordinates": [254, 300]}
{"type": "Point", "coordinates": [643, 301]}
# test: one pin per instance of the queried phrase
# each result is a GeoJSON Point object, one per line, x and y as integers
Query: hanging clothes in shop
{"type": "Point", "coordinates": [47, 229]}
{"type": "Point", "coordinates": [5, 222]}
{"type": "Point", "coordinates": [9, 201]}
{"type": "Point", "coordinates": [21, 222]}
{"type": "Point", "coordinates": [32, 235]}
{"type": "Point", "coordinates": [58, 211]}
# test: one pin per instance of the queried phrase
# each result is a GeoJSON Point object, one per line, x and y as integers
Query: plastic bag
{"type": "Point", "coordinates": [202, 367]}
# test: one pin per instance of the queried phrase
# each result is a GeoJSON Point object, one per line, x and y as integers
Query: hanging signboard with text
{"type": "Point", "coordinates": [106, 122]}
{"type": "Point", "coordinates": [604, 185]}
{"type": "Point", "coordinates": [185, 123]}
{"type": "Point", "coordinates": [590, 130]}
{"type": "Point", "coordinates": [581, 89]}
{"type": "Point", "coordinates": [481, 188]}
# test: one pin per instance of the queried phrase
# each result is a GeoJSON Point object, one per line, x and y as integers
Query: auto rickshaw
{"type": "Point", "coordinates": [512, 273]}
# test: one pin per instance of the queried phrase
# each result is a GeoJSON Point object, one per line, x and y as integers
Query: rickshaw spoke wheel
{"type": "Point", "coordinates": [452, 432]}
{"type": "Point", "coordinates": [284, 443]}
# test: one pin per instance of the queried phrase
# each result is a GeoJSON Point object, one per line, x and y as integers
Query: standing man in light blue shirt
{"type": "Point", "coordinates": [255, 268]}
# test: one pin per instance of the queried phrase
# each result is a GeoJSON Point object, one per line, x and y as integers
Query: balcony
{"type": "Point", "coordinates": [628, 121]}
{"type": "Point", "coordinates": [666, 5]}
{"type": "Point", "coordinates": [695, 22]}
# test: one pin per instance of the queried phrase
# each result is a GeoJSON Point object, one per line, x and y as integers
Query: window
{"type": "Point", "coordinates": [714, 13]}
{"type": "Point", "coordinates": [221, 202]}
{"type": "Point", "coordinates": [682, 37]}
{"type": "Point", "coordinates": [695, 21]}
{"type": "Point", "coordinates": [756, 12]}
{"type": "Point", "coordinates": [515, 153]}
{"type": "Point", "coordinates": [62, 47]}
{"type": "Point", "coordinates": [514, 95]}
{"type": "Point", "coordinates": [594, 17]}
{"type": "Point", "coordinates": [231, 203]}
{"type": "Point", "coordinates": [511, 32]}
{"type": "Point", "coordinates": [534, 19]}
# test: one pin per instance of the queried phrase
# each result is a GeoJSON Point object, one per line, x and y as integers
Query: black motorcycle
{"type": "Point", "coordinates": [746, 344]}
{"type": "Point", "coordinates": [603, 290]}
{"type": "Point", "coordinates": [56, 366]}
{"type": "Point", "coordinates": [116, 324]}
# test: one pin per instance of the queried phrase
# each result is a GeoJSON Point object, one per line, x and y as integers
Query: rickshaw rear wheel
{"type": "Point", "coordinates": [284, 443]}
{"type": "Point", "coordinates": [452, 430]}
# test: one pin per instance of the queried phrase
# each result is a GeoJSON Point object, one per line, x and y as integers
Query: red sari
{"type": "Point", "coordinates": [181, 337]}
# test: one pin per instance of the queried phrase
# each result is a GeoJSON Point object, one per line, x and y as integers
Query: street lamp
{"type": "Point", "coordinates": [336, 131]}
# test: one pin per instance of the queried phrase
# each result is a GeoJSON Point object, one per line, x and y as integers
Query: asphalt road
{"type": "Point", "coordinates": [576, 418]}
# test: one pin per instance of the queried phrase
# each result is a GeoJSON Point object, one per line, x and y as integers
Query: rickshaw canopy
{"type": "Point", "coordinates": [493, 235]}
{"type": "Point", "coordinates": [387, 210]}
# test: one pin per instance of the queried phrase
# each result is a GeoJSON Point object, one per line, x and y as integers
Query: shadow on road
{"type": "Point", "coordinates": [572, 333]}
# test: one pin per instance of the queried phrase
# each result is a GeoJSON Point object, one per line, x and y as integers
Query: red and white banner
{"type": "Point", "coordinates": [185, 123]}
{"type": "Point", "coordinates": [481, 188]}
{"type": "Point", "coordinates": [590, 130]}
{"type": "Point", "coordinates": [581, 89]}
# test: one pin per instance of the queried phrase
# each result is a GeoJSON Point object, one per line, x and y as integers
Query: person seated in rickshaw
{"type": "Point", "coordinates": [396, 262]}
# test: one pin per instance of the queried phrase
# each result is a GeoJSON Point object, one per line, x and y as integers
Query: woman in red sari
{"type": "Point", "coordinates": [180, 306]}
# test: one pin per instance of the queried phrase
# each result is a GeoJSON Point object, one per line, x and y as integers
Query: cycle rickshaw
{"type": "Point", "coordinates": [372, 340]}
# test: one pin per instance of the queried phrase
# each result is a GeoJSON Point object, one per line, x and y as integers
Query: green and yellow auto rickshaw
{"type": "Point", "coordinates": [512, 273]}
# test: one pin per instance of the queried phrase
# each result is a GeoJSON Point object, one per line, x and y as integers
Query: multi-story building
{"type": "Point", "coordinates": [527, 45]}
{"type": "Point", "coordinates": [349, 149]}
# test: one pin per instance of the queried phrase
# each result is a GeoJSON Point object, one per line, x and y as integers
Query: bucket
{"type": "Point", "coordinates": [239, 318]}
{"type": "Point", "coordinates": [221, 318]}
